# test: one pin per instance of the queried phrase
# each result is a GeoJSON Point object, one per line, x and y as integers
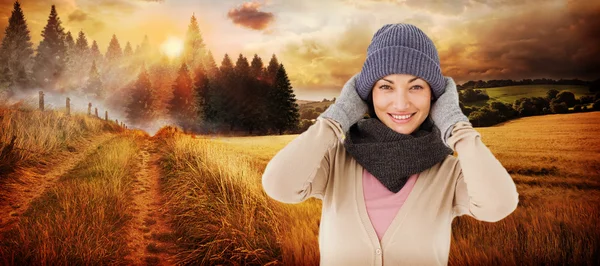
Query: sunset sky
{"type": "Point", "coordinates": [322, 43]}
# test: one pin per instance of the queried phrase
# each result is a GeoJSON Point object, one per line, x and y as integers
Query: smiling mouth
{"type": "Point", "coordinates": [401, 119]}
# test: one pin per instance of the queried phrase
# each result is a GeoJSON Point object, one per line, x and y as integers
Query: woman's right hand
{"type": "Point", "coordinates": [348, 108]}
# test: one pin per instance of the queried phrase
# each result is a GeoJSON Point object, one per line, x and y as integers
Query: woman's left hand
{"type": "Point", "coordinates": [446, 111]}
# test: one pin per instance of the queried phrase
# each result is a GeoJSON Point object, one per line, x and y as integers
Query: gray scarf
{"type": "Point", "coordinates": [393, 157]}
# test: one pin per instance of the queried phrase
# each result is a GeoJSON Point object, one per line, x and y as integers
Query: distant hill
{"type": "Point", "coordinates": [509, 94]}
{"type": "Point", "coordinates": [302, 102]}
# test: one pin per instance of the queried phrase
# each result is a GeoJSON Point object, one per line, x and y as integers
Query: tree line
{"type": "Point", "coordinates": [190, 91]}
{"type": "Point", "coordinates": [593, 86]}
{"type": "Point", "coordinates": [555, 102]}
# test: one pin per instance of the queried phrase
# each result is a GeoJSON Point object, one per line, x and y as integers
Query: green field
{"type": "Point", "coordinates": [511, 93]}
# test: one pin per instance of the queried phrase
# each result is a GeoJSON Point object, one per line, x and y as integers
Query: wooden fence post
{"type": "Point", "coordinates": [41, 100]}
{"type": "Point", "coordinates": [68, 106]}
{"type": "Point", "coordinates": [105, 115]}
{"type": "Point", "coordinates": [96, 109]}
{"type": "Point", "coordinates": [117, 120]}
{"type": "Point", "coordinates": [89, 108]}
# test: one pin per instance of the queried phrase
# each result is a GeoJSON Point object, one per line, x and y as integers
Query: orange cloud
{"type": "Point", "coordinates": [248, 15]}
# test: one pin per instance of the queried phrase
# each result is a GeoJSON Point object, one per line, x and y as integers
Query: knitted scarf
{"type": "Point", "coordinates": [393, 157]}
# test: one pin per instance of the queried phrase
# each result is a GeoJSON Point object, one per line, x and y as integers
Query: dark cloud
{"type": "Point", "coordinates": [78, 15]}
{"type": "Point", "coordinates": [248, 15]}
{"type": "Point", "coordinates": [564, 43]}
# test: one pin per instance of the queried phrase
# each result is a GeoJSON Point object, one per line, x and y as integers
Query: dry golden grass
{"type": "Point", "coordinates": [554, 159]}
{"type": "Point", "coordinates": [220, 213]}
{"type": "Point", "coordinates": [40, 134]}
{"type": "Point", "coordinates": [81, 219]}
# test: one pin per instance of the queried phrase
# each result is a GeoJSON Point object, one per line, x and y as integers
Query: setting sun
{"type": "Point", "coordinates": [172, 47]}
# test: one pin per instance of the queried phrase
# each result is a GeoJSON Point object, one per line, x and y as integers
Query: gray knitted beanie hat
{"type": "Point", "coordinates": [400, 49]}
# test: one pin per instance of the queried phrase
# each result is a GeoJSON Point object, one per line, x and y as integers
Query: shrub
{"type": "Point", "coordinates": [484, 117]}
{"type": "Point", "coordinates": [577, 108]}
{"type": "Point", "coordinates": [596, 106]}
{"type": "Point", "coordinates": [586, 99]}
{"type": "Point", "coordinates": [559, 108]}
{"type": "Point", "coordinates": [551, 94]}
{"type": "Point", "coordinates": [566, 97]}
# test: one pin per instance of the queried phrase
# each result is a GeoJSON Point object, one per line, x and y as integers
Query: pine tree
{"type": "Point", "coordinates": [283, 103]}
{"type": "Point", "coordinates": [128, 52]}
{"type": "Point", "coordinates": [113, 75]}
{"type": "Point", "coordinates": [50, 59]}
{"type": "Point", "coordinates": [95, 53]}
{"type": "Point", "coordinates": [139, 108]}
{"type": "Point", "coordinates": [82, 60]}
{"type": "Point", "coordinates": [257, 106]}
{"type": "Point", "coordinates": [271, 71]}
{"type": "Point", "coordinates": [16, 51]}
{"type": "Point", "coordinates": [182, 106]}
{"type": "Point", "coordinates": [162, 75]}
{"type": "Point", "coordinates": [194, 49]}
{"type": "Point", "coordinates": [81, 45]}
{"type": "Point", "coordinates": [71, 79]}
{"type": "Point", "coordinates": [210, 65]}
{"type": "Point", "coordinates": [69, 41]}
{"type": "Point", "coordinates": [225, 109]}
{"type": "Point", "coordinates": [256, 67]}
{"type": "Point", "coordinates": [142, 53]}
{"type": "Point", "coordinates": [242, 95]}
{"type": "Point", "coordinates": [114, 52]}
{"type": "Point", "coordinates": [93, 85]}
{"type": "Point", "coordinates": [129, 64]}
{"type": "Point", "coordinates": [201, 88]}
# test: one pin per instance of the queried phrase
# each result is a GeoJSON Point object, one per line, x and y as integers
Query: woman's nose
{"type": "Point", "coordinates": [401, 100]}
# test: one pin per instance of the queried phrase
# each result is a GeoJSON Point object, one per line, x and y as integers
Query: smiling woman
{"type": "Point", "coordinates": [390, 184]}
{"type": "Point", "coordinates": [172, 47]}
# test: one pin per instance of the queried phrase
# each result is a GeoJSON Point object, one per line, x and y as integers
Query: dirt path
{"type": "Point", "coordinates": [150, 239]}
{"type": "Point", "coordinates": [32, 182]}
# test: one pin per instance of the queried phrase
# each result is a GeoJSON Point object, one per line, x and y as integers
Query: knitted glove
{"type": "Point", "coordinates": [348, 108]}
{"type": "Point", "coordinates": [446, 111]}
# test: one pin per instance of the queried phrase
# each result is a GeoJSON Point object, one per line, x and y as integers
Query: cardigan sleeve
{"type": "Point", "coordinates": [484, 189]}
{"type": "Point", "coordinates": [301, 169]}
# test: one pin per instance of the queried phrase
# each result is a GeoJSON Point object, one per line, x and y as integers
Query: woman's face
{"type": "Point", "coordinates": [402, 102]}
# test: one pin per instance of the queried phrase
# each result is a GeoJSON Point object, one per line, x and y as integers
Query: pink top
{"type": "Point", "coordinates": [382, 204]}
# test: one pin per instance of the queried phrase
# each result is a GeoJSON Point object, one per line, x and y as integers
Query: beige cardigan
{"type": "Point", "coordinates": [316, 164]}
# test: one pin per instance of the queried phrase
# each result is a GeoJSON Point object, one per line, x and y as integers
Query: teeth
{"type": "Point", "coordinates": [402, 116]}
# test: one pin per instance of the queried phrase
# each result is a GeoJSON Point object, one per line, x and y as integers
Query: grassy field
{"type": "Point", "coordinates": [209, 201]}
{"type": "Point", "coordinates": [511, 93]}
{"type": "Point", "coordinates": [82, 218]}
{"type": "Point", "coordinates": [555, 162]}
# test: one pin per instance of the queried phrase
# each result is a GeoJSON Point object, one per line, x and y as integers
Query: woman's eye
{"type": "Point", "coordinates": [384, 87]}
{"type": "Point", "coordinates": [417, 87]}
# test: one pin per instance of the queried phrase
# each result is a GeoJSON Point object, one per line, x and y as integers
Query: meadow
{"type": "Point", "coordinates": [91, 192]}
{"type": "Point", "coordinates": [555, 162]}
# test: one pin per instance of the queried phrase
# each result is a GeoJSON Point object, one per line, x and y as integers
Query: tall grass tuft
{"type": "Point", "coordinates": [81, 219]}
{"type": "Point", "coordinates": [40, 134]}
{"type": "Point", "coordinates": [220, 213]}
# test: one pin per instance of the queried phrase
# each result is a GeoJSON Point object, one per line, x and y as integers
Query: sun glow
{"type": "Point", "coordinates": [172, 47]}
